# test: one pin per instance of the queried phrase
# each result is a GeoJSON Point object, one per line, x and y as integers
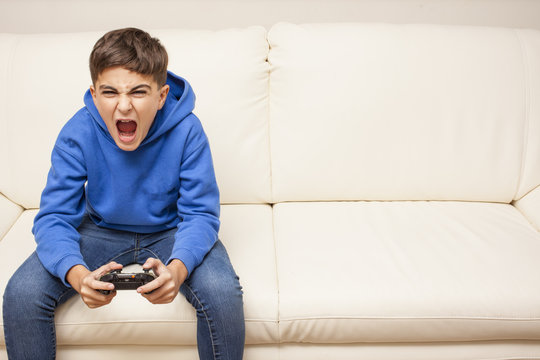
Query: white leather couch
{"type": "Point", "coordinates": [380, 188]}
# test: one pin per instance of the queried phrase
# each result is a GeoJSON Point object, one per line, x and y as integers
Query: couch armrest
{"type": "Point", "coordinates": [9, 213]}
{"type": "Point", "coordinates": [529, 205]}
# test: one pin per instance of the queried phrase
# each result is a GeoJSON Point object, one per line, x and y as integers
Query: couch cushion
{"type": "Point", "coordinates": [406, 272]}
{"type": "Point", "coordinates": [130, 319]}
{"type": "Point", "coordinates": [398, 112]}
{"type": "Point", "coordinates": [44, 78]}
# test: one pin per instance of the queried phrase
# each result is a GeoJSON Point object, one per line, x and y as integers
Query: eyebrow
{"type": "Point", "coordinates": [108, 87]}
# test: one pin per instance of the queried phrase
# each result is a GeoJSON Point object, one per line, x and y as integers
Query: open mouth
{"type": "Point", "coordinates": [126, 130]}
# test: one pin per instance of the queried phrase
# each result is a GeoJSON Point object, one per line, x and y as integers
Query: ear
{"type": "Point", "coordinates": [163, 92]}
{"type": "Point", "coordinates": [93, 91]}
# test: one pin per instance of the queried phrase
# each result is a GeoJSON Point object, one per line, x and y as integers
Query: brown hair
{"type": "Point", "coordinates": [132, 49]}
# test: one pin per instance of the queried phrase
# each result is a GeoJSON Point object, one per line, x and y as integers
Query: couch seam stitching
{"type": "Point", "coordinates": [268, 127]}
{"type": "Point", "coordinates": [113, 322]}
{"type": "Point", "coordinates": [525, 62]}
{"type": "Point", "coordinates": [407, 318]}
{"type": "Point", "coordinates": [272, 195]}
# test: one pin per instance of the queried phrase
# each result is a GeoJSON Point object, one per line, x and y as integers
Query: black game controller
{"type": "Point", "coordinates": [127, 281]}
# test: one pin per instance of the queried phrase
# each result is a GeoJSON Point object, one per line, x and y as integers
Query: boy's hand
{"type": "Point", "coordinates": [87, 283]}
{"type": "Point", "coordinates": [165, 287]}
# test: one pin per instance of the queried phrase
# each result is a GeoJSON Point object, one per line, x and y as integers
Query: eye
{"type": "Point", "coordinates": [108, 93]}
{"type": "Point", "coordinates": [139, 93]}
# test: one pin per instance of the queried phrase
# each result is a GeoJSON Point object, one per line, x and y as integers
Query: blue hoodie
{"type": "Point", "coordinates": [167, 182]}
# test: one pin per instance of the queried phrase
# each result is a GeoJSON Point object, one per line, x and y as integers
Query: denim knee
{"type": "Point", "coordinates": [215, 287]}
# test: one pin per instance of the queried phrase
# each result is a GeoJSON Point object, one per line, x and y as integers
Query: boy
{"type": "Point", "coordinates": [131, 181]}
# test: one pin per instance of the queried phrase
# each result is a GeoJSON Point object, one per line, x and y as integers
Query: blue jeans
{"type": "Point", "coordinates": [33, 294]}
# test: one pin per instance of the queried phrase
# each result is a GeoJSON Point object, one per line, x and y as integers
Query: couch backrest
{"type": "Point", "coordinates": [339, 111]}
{"type": "Point", "coordinates": [43, 79]}
{"type": "Point", "coordinates": [403, 112]}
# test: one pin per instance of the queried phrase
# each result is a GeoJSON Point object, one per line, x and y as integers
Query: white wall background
{"type": "Point", "coordinates": [30, 16]}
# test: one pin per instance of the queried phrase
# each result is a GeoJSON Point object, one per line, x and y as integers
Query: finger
{"type": "Point", "coordinates": [165, 293]}
{"type": "Point", "coordinates": [91, 282]}
{"type": "Point", "coordinates": [149, 263]}
{"type": "Point", "coordinates": [105, 269]}
{"type": "Point", "coordinates": [101, 285]}
{"type": "Point", "coordinates": [90, 286]}
{"type": "Point", "coordinates": [95, 302]}
{"type": "Point", "coordinates": [155, 264]}
{"type": "Point", "coordinates": [96, 297]}
{"type": "Point", "coordinates": [163, 277]}
{"type": "Point", "coordinates": [93, 297]}
{"type": "Point", "coordinates": [151, 286]}
{"type": "Point", "coordinates": [108, 268]}
{"type": "Point", "coordinates": [156, 296]}
{"type": "Point", "coordinates": [162, 295]}
{"type": "Point", "coordinates": [95, 284]}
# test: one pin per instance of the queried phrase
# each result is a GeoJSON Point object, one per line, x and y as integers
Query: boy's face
{"type": "Point", "coordinates": [128, 102]}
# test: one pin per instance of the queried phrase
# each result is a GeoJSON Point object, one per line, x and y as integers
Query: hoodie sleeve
{"type": "Point", "coordinates": [198, 203]}
{"type": "Point", "coordinates": [61, 211]}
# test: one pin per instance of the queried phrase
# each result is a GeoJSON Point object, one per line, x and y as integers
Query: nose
{"type": "Point", "coordinates": [124, 104]}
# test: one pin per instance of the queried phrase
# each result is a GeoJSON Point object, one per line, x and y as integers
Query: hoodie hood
{"type": "Point", "coordinates": [180, 103]}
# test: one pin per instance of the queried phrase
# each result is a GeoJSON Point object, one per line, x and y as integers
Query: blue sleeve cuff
{"type": "Point", "coordinates": [185, 256]}
{"type": "Point", "coordinates": [66, 264]}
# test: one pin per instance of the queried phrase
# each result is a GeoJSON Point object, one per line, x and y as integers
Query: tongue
{"type": "Point", "coordinates": [126, 127]}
